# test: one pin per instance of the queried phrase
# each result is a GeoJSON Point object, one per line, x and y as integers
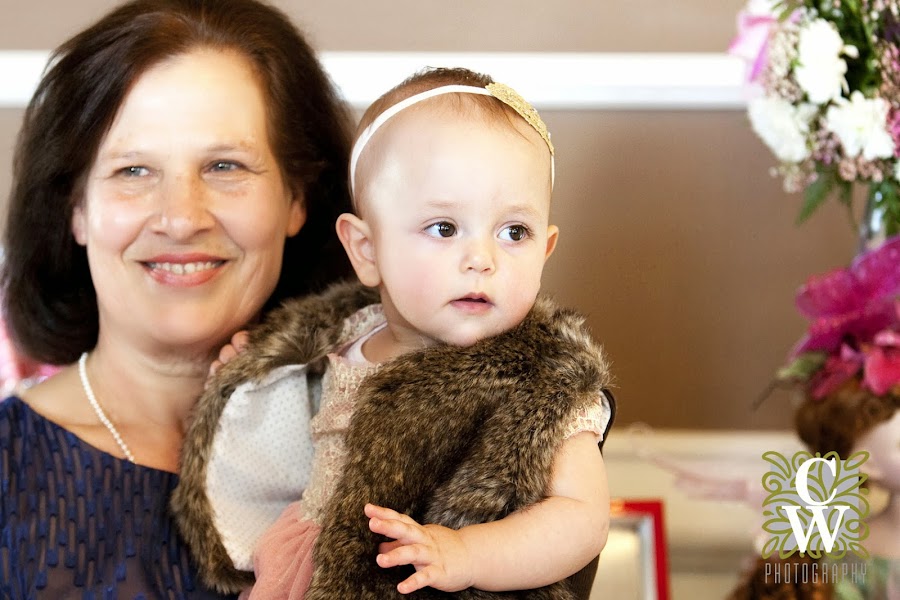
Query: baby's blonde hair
{"type": "Point", "coordinates": [488, 107]}
{"type": "Point", "coordinates": [429, 79]}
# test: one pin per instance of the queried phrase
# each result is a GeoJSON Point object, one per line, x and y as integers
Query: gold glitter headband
{"type": "Point", "coordinates": [501, 92]}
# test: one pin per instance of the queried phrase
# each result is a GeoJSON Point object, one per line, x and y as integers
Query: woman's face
{"type": "Point", "coordinates": [185, 211]}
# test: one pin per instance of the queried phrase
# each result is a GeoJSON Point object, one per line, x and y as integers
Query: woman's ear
{"type": "Point", "coordinates": [356, 236]}
{"type": "Point", "coordinates": [296, 215]}
{"type": "Point", "coordinates": [79, 224]}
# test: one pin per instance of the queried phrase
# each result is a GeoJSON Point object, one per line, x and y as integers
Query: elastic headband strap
{"type": "Point", "coordinates": [502, 92]}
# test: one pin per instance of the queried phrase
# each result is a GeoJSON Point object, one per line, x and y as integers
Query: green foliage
{"type": "Point", "coordinates": [816, 193]}
{"type": "Point", "coordinates": [803, 367]}
{"type": "Point", "coordinates": [886, 197]}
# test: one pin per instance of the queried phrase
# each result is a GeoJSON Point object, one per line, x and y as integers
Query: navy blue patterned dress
{"type": "Point", "coordinates": [76, 522]}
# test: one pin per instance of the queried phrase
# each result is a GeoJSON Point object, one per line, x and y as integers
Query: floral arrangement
{"type": "Point", "coordinates": [827, 73]}
{"type": "Point", "coordinates": [827, 79]}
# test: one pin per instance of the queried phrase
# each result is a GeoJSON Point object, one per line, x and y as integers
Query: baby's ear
{"type": "Point", "coordinates": [552, 238]}
{"type": "Point", "coordinates": [356, 236]}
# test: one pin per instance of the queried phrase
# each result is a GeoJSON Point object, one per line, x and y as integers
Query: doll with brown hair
{"type": "Point", "coordinates": [850, 420]}
{"type": "Point", "coordinates": [848, 371]}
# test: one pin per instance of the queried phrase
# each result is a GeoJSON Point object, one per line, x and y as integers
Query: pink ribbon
{"type": "Point", "coordinates": [752, 41]}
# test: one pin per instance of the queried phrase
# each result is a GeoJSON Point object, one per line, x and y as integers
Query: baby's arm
{"type": "Point", "coordinates": [533, 547]}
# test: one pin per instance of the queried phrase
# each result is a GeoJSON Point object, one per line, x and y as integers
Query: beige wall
{"type": "Point", "coordinates": [676, 242]}
{"type": "Point", "coordinates": [482, 25]}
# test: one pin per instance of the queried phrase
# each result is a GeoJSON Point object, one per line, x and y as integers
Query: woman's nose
{"type": "Point", "coordinates": [183, 208]}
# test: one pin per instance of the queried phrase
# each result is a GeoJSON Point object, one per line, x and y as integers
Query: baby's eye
{"type": "Point", "coordinates": [135, 171]}
{"type": "Point", "coordinates": [442, 229]}
{"type": "Point", "coordinates": [514, 233]}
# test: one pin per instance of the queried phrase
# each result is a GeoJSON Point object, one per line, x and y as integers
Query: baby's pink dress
{"type": "Point", "coordinates": [283, 558]}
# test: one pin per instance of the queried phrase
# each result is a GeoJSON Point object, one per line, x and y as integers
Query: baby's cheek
{"type": "Point", "coordinates": [523, 294]}
{"type": "Point", "coordinates": [415, 281]}
{"type": "Point", "coordinates": [423, 286]}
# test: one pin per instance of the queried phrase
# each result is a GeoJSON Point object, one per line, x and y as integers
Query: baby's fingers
{"type": "Point", "coordinates": [404, 533]}
{"type": "Point", "coordinates": [213, 367]}
{"type": "Point", "coordinates": [416, 581]}
{"type": "Point", "coordinates": [385, 547]}
{"type": "Point", "coordinates": [417, 555]}
{"type": "Point", "coordinates": [227, 353]}
{"type": "Point", "coordinates": [374, 511]}
{"type": "Point", "coordinates": [405, 554]}
{"type": "Point", "coordinates": [240, 340]}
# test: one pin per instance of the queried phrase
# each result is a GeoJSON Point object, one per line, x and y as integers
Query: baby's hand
{"type": "Point", "coordinates": [438, 553]}
{"type": "Point", "coordinates": [238, 343]}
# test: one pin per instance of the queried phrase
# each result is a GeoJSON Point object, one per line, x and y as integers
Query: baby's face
{"type": "Point", "coordinates": [459, 211]}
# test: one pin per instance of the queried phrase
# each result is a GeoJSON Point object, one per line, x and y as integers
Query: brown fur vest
{"type": "Point", "coordinates": [448, 435]}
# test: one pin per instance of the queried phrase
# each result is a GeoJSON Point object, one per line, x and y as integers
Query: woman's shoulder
{"type": "Point", "coordinates": [22, 427]}
{"type": "Point", "coordinates": [59, 400]}
{"type": "Point", "coordinates": [17, 417]}
{"type": "Point", "coordinates": [22, 433]}
{"type": "Point", "coordinates": [41, 423]}
{"type": "Point", "coordinates": [12, 410]}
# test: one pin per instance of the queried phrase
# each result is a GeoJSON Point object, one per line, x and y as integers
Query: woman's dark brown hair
{"type": "Point", "coordinates": [49, 300]}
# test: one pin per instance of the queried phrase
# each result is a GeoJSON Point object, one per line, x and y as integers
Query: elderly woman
{"type": "Point", "coordinates": [178, 171]}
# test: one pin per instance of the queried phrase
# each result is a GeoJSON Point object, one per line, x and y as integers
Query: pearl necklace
{"type": "Point", "coordinates": [89, 392]}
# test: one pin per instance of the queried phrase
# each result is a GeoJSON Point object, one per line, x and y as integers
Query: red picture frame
{"type": "Point", "coordinates": [636, 557]}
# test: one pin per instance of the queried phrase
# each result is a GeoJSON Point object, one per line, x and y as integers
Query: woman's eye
{"type": "Point", "coordinates": [135, 171]}
{"type": "Point", "coordinates": [442, 229]}
{"type": "Point", "coordinates": [224, 166]}
{"type": "Point", "coordinates": [514, 233]}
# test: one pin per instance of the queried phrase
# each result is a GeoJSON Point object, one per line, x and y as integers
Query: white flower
{"type": "Point", "coordinates": [861, 126]}
{"type": "Point", "coordinates": [762, 8]}
{"type": "Point", "coordinates": [782, 126]}
{"type": "Point", "coordinates": [820, 72]}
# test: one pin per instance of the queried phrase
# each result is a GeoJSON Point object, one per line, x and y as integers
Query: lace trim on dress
{"type": "Point", "coordinates": [591, 418]}
{"type": "Point", "coordinates": [339, 393]}
{"type": "Point", "coordinates": [360, 323]}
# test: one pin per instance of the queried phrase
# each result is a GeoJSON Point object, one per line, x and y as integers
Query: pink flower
{"type": "Point", "coordinates": [878, 361]}
{"type": "Point", "coordinates": [856, 302]}
{"type": "Point", "coordinates": [893, 127]}
{"type": "Point", "coordinates": [838, 369]}
{"type": "Point", "coordinates": [882, 363]}
{"type": "Point", "coordinates": [16, 368]}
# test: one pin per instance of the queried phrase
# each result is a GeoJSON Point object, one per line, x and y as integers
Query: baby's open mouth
{"type": "Point", "coordinates": [474, 298]}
